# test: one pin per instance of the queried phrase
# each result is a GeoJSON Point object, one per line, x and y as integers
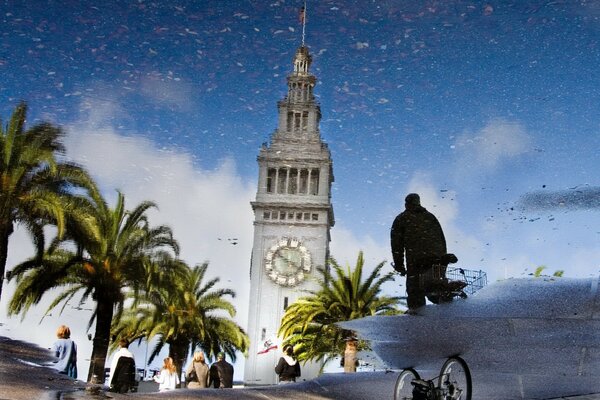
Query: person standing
{"type": "Point", "coordinates": [168, 378]}
{"type": "Point", "coordinates": [197, 373]}
{"type": "Point", "coordinates": [65, 350]}
{"type": "Point", "coordinates": [288, 368]}
{"type": "Point", "coordinates": [221, 373]}
{"type": "Point", "coordinates": [122, 369]}
{"type": "Point", "coordinates": [416, 235]}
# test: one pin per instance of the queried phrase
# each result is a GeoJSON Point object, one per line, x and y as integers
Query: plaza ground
{"type": "Point", "coordinates": [24, 376]}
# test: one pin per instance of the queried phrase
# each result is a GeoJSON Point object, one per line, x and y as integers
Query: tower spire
{"type": "Point", "coordinates": [303, 20]}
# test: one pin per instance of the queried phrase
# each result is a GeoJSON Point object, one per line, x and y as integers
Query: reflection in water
{"type": "Point", "coordinates": [76, 395]}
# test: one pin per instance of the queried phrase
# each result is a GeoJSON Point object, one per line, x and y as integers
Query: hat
{"type": "Point", "coordinates": [220, 355]}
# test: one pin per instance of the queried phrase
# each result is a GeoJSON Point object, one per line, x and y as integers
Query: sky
{"type": "Point", "coordinates": [489, 110]}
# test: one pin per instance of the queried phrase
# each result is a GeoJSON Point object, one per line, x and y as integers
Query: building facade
{"type": "Point", "coordinates": [292, 220]}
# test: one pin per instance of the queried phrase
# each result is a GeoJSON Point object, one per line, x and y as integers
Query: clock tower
{"type": "Point", "coordinates": [292, 219]}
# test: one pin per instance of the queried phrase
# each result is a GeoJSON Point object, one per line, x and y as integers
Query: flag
{"type": "Point", "coordinates": [301, 15]}
{"type": "Point", "coordinates": [268, 345]}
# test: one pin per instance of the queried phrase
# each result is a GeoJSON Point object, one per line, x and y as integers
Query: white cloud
{"type": "Point", "coordinates": [205, 208]}
{"type": "Point", "coordinates": [345, 246]}
{"type": "Point", "coordinates": [499, 141]}
{"type": "Point", "coordinates": [444, 208]}
{"type": "Point", "coordinates": [167, 91]}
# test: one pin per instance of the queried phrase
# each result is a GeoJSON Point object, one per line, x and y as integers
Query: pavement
{"type": "Point", "coordinates": [534, 338]}
{"type": "Point", "coordinates": [24, 375]}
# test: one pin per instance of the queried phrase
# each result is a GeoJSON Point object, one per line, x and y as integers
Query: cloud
{"type": "Point", "coordinates": [205, 208]}
{"type": "Point", "coordinates": [345, 246]}
{"type": "Point", "coordinates": [577, 198]}
{"type": "Point", "coordinates": [499, 141]}
{"type": "Point", "coordinates": [444, 208]}
{"type": "Point", "coordinates": [167, 91]}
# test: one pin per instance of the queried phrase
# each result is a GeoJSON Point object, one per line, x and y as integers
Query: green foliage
{"type": "Point", "coordinates": [104, 255]}
{"type": "Point", "coordinates": [109, 255]}
{"type": "Point", "coordinates": [185, 311]}
{"type": "Point", "coordinates": [309, 324]}
{"type": "Point", "coordinates": [36, 185]}
{"type": "Point", "coordinates": [538, 272]}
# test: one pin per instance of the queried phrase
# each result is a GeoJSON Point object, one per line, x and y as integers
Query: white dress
{"type": "Point", "coordinates": [167, 380]}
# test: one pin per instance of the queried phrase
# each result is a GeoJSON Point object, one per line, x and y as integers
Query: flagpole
{"type": "Point", "coordinates": [304, 23]}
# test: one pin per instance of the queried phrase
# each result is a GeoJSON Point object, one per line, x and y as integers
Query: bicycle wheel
{"type": "Point", "coordinates": [403, 389]}
{"type": "Point", "coordinates": [455, 379]}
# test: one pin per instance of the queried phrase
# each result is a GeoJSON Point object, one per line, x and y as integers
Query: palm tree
{"type": "Point", "coordinates": [35, 186]}
{"type": "Point", "coordinates": [104, 255]}
{"type": "Point", "coordinates": [538, 272]}
{"type": "Point", "coordinates": [309, 324]}
{"type": "Point", "coordinates": [186, 312]}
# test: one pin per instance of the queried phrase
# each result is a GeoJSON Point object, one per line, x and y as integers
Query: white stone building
{"type": "Point", "coordinates": [292, 220]}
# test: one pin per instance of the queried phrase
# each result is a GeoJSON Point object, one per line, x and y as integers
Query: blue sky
{"type": "Point", "coordinates": [491, 111]}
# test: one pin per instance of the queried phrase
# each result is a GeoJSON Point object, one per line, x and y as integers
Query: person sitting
{"type": "Point", "coordinates": [288, 368]}
{"type": "Point", "coordinates": [197, 373]}
{"type": "Point", "coordinates": [221, 373]}
{"type": "Point", "coordinates": [65, 351]}
{"type": "Point", "coordinates": [122, 369]}
{"type": "Point", "coordinates": [168, 379]}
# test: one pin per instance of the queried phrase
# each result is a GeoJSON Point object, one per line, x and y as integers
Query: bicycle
{"type": "Point", "coordinates": [435, 281]}
{"type": "Point", "coordinates": [453, 383]}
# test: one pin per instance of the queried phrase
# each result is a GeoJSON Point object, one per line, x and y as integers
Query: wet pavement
{"type": "Point", "coordinates": [23, 376]}
{"type": "Point", "coordinates": [535, 338]}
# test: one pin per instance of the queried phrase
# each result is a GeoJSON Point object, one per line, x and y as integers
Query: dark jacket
{"type": "Point", "coordinates": [287, 371]}
{"type": "Point", "coordinates": [221, 375]}
{"type": "Point", "coordinates": [418, 233]}
{"type": "Point", "coordinates": [124, 371]}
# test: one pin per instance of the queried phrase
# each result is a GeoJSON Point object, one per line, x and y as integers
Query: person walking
{"type": "Point", "coordinates": [65, 350]}
{"type": "Point", "coordinates": [167, 378]}
{"type": "Point", "coordinates": [221, 373]}
{"type": "Point", "coordinates": [197, 373]}
{"type": "Point", "coordinates": [121, 378]}
{"type": "Point", "coordinates": [416, 235]}
{"type": "Point", "coordinates": [288, 368]}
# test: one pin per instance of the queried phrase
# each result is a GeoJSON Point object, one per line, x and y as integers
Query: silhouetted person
{"type": "Point", "coordinates": [122, 369]}
{"type": "Point", "coordinates": [416, 236]}
{"type": "Point", "coordinates": [288, 368]}
{"type": "Point", "coordinates": [221, 373]}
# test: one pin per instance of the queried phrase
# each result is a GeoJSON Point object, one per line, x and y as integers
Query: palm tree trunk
{"type": "Point", "coordinates": [5, 232]}
{"type": "Point", "coordinates": [104, 315]}
{"type": "Point", "coordinates": [178, 351]}
{"type": "Point", "coordinates": [350, 358]}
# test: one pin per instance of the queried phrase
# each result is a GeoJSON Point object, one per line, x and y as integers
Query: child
{"type": "Point", "coordinates": [65, 350]}
{"type": "Point", "coordinates": [167, 378]}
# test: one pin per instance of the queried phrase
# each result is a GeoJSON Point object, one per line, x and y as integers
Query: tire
{"type": "Point", "coordinates": [403, 389]}
{"type": "Point", "coordinates": [455, 378]}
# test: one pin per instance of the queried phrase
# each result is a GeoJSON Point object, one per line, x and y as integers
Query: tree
{"type": "Point", "coordinates": [104, 255]}
{"type": "Point", "coordinates": [186, 312]}
{"type": "Point", "coordinates": [309, 324]}
{"type": "Point", "coordinates": [538, 272]}
{"type": "Point", "coordinates": [35, 186]}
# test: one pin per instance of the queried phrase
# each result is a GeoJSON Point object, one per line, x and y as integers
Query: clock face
{"type": "Point", "coordinates": [287, 262]}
